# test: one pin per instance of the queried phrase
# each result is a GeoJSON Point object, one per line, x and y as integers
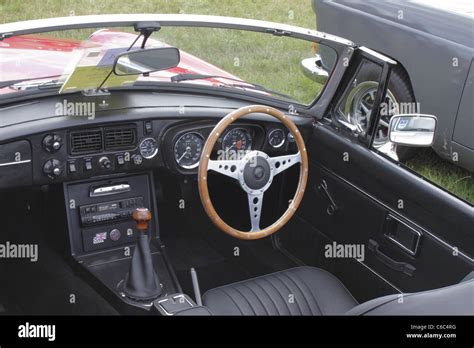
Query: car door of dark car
{"type": "Point", "coordinates": [414, 235]}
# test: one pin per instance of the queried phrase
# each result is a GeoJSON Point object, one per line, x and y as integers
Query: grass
{"type": "Point", "coordinates": [273, 62]}
{"type": "Point", "coordinates": [295, 12]}
{"type": "Point", "coordinates": [454, 179]}
{"type": "Point", "coordinates": [222, 48]}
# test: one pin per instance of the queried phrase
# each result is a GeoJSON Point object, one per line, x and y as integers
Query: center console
{"type": "Point", "coordinates": [99, 211]}
{"type": "Point", "coordinates": [103, 240]}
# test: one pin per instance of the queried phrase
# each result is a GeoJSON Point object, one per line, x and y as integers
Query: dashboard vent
{"type": "Point", "coordinates": [120, 138]}
{"type": "Point", "coordinates": [86, 141]}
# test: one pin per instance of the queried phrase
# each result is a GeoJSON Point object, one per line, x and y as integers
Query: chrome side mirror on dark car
{"type": "Point", "coordinates": [412, 129]}
{"type": "Point", "coordinates": [146, 61]}
{"type": "Point", "coordinates": [314, 69]}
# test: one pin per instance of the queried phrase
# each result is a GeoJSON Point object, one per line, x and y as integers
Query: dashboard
{"type": "Point", "coordinates": [134, 133]}
{"type": "Point", "coordinates": [85, 152]}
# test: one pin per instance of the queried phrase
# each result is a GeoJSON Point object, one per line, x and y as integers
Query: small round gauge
{"type": "Point", "coordinates": [276, 138]}
{"type": "Point", "coordinates": [188, 149]}
{"type": "Point", "coordinates": [148, 148]}
{"type": "Point", "coordinates": [237, 139]}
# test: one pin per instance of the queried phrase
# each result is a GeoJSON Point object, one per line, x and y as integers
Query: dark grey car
{"type": "Point", "coordinates": [433, 42]}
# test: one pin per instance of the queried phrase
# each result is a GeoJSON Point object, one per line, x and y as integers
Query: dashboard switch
{"type": "Point", "coordinates": [72, 167]}
{"type": "Point", "coordinates": [148, 127]}
{"type": "Point", "coordinates": [88, 164]}
{"type": "Point", "coordinates": [120, 160]}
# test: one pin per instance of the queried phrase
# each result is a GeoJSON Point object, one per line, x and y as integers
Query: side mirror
{"type": "Point", "coordinates": [146, 61]}
{"type": "Point", "coordinates": [314, 69]}
{"type": "Point", "coordinates": [412, 129]}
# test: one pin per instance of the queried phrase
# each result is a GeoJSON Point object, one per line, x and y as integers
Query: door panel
{"type": "Point", "coordinates": [303, 240]}
{"type": "Point", "coordinates": [382, 205]}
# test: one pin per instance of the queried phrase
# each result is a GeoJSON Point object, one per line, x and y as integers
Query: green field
{"type": "Point", "coordinates": [452, 178]}
{"type": "Point", "coordinates": [273, 62]}
{"type": "Point", "coordinates": [295, 12]}
{"type": "Point", "coordinates": [259, 69]}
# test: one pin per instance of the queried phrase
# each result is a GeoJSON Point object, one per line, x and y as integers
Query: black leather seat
{"type": "Point", "coordinates": [296, 291]}
{"type": "Point", "coordinates": [313, 291]}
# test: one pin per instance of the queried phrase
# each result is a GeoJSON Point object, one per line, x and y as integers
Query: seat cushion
{"type": "Point", "coordinates": [455, 299]}
{"type": "Point", "coordinates": [296, 291]}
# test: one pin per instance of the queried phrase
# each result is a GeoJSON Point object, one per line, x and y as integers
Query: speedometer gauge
{"type": "Point", "coordinates": [237, 139]}
{"type": "Point", "coordinates": [188, 149]}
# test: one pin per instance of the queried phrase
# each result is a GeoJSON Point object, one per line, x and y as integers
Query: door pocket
{"type": "Point", "coordinates": [402, 234]}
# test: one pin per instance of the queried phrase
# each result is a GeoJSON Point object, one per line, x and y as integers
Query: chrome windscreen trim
{"type": "Point", "coordinates": [165, 20]}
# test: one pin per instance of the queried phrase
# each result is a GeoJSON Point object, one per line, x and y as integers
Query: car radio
{"type": "Point", "coordinates": [99, 211]}
{"type": "Point", "coordinates": [106, 212]}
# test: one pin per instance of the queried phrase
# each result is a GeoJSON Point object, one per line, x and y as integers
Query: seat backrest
{"type": "Point", "coordinates": [451, 300]}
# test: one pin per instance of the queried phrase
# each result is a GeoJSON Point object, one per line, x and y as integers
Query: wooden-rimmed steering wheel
{"type": "Point", "coordinates": [254, 172]}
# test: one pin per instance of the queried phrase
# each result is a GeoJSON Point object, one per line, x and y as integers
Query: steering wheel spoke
{"type": "Point", "coordinates": [282, 163]}
{"type": "Point", "coordinates": [228, 167]}
{"type": "Point", "coordinates": [255, 209]}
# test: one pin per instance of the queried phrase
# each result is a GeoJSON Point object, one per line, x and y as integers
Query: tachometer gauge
{"type": "Point", "coordinates": [188, 149]}
{"type": "Point", "coordinates": [148, 148]}
{"type": "Point", "coordinates": [276, 138]}
{"type": "Point", "coordinates": [237, 139]}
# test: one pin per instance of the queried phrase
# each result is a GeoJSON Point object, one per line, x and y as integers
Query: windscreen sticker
{"type": "Point", "coordinates": [93, 68]}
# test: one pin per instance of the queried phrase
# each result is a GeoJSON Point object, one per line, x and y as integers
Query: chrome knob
{"type": "Point", "coordinates": [52, 143]}
{"type": "Point", "coordinates": [52, 168]}
{"type": "Point", "coordinates": [105, 162]}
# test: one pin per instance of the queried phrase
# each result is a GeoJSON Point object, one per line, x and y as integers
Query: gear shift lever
{"type": "Point", "coordinates": [142, 282]}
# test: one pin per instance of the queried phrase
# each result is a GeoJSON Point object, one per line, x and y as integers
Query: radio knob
{"type": "Point", "coordinates": [105, 162]}
{"type": "Point", "coordinates": [115, 235]}
{"type": "Point", "coordinates": [52, 168]}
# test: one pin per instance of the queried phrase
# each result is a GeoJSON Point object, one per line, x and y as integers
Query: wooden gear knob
{"type": "Point", "coordinates": [141, 216]}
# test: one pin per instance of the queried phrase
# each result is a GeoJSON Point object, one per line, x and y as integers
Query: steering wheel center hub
{"type": "Point", "coordinates": [256, 173]}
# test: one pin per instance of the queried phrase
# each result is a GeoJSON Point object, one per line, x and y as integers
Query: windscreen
{"type": "Point", "coordinates": [262, 64]}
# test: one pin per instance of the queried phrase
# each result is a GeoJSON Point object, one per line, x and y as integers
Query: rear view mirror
{"type": "Point", "coordinates": [146, 61]}
{"type": "Point", "coordinates": [412, 129]}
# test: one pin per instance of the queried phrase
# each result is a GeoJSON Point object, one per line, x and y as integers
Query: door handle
{"type": "Point", "coordinates": [404, 267]}
{"type": "Point", "coordinates": [323, 189]}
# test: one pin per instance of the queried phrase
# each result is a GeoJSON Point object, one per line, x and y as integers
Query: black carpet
{"type": "Point", "coordinates": [213, 268]}
{"type": "Point", "coordinates": [47, 287]}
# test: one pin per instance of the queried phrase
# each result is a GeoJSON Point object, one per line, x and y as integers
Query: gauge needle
{"type": "Point", "coordinates": [188, 150]}
{"type": "Point", "coordinates": [229, 148]}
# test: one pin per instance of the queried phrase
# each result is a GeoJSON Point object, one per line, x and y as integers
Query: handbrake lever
{"type": "Point", "coordinates": [197, 291]}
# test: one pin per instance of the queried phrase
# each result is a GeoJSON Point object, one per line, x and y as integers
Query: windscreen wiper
{"type": "Point", "coordinates": [242, 84]}
{"type": "Point", "coordinates": [11, 83]}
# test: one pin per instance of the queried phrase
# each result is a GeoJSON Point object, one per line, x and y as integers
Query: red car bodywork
{"type": "Point", "coordinates": [33, 56]}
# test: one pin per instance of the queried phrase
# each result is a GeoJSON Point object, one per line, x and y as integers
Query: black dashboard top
{"type": "Point", "coordinates": [21, 119]}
